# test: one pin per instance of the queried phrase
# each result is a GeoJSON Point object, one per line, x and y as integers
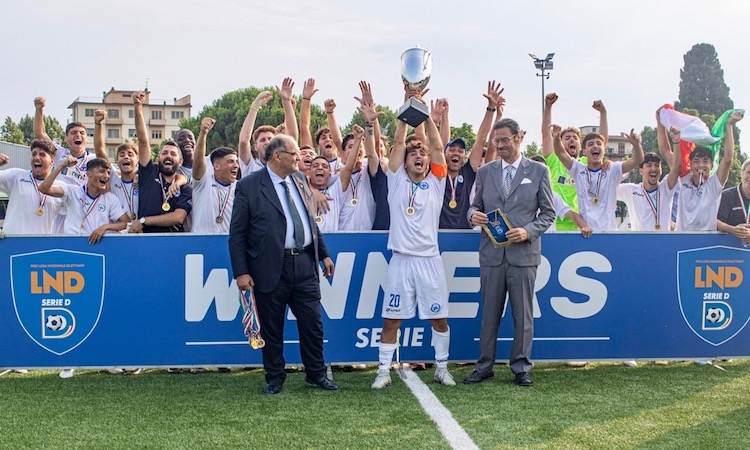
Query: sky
{"type": "Point", "coordinates": [626, 53]}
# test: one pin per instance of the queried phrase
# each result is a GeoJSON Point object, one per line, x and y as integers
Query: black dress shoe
{"type": "Point", "coordinates": [323, 383]}
{"type": "Point", "coordinates": [524, 379]}
{"type": "Point", "coordinates": [478, 377]}
{"type": "Point", "coordinates": [274, 387]}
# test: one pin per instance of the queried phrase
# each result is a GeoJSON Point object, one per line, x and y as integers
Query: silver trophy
{"type": "Point", "coordinates": [416, 68]}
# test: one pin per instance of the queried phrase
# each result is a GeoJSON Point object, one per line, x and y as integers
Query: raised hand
{"type": "Point", "coordinates": [364, 86]}
{"type": "Point", "coordinates": [261, 100]}
{"type": "Point", "coordinates": [207, 124]}
{"type": "Point", "coordinates": [139, 98]}
{"type": "Point", "coordinates": [358, 131]}
{"type": "Point", "coordinates": [70, 161]}
{"type": "Point", "coordinates": [550, 99]}
{"type": "Point", "coordinates": [437, 109]}
{"type": "Point", "coordinates": [632, 137]}
{"type": "Point", "coordinates": [736, 117]}
{"type": "Point", "coordinates": [40, 102]}
{"type": "Point", "coordinates": [100, 116]}
{"type": "Point", "coordinates": [308, 89]}
{"type": "Point", "coordinates": [369, 113]}
{"type": "Point", "coordinates": [329, 105]}
{"type": "Point", "coordinates": [494, 94]}
{"type": "Point", "coordinates": [285, 92]}
{"type": "Point", "coordinates": [674, 134]}
{"type": "Point", "coordinates": [555, 130]}
{"type": "Point", "coordinates": [599, 106]}
{"type": "Point", "coordinates": [4, 159]}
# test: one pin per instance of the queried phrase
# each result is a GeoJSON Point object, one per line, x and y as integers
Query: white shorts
{"type": "Point", "coordinates": [412, 281]}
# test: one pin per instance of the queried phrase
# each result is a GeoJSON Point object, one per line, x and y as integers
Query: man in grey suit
{"type": "Point", "coordinates": [521, 189]}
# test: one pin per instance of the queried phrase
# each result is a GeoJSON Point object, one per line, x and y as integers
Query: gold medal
{"type": "Point", "coordinates": [452, 204]}
{"type": "Point", "coordinates": [132, 216]}
{"type": "Point", "coordinates": [261, 343]}
{"type": "Point", "coordinates": [410, 211]}
{"type": "Point", "coordinates": [657, 227]}
{"type": "Point", "coordinates": [165, 206]}
{"type": "Point", "coordinates": [219, 219]}
{"type": "Point", "coordinates": [254, 343]}
{"type": "Point", "coordinates": [596, 200]}
{"type": "Point", "coordinates": [353, 202]}
{"type": "Point", "coordinates": [39, 211]}
{"type": "Point", "coordinates": [318, 219]}
{"type": "Point", "coordinates": [82, 225]}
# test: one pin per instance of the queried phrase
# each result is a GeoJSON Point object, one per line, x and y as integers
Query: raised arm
{"type": "Point", "coordinates": [445, 124]}
{"type": "Point", "coordinates": [37, 126]}
{"type": "Point", "coordinates": [56, 191]}
{"type": "Point", "coordinates": [290, 119]}
{"type": "Point", "coordinates": [398, 151]}
{"type": "Point", "coordinates": [199, 163]}
{"type": "Point", "coordinates": [370, 114]}
{"type": "Point", "coordinates": [437, 155]}
{"type": "Point", "coordinates": [673, 158]}
{"type": "Point", "coordinates": [438, 110]}
{"type": "Point", "coordinates": [338, 140]}
{"type": "Point", "coordinates": [351, 158]}
{"type": "Point", "coordinates": [308, 90]}
{"type": "Point", "coordinates": [548, 145]}
{"type": "Point", "coordinates": [246, 133]}
{"type": "Point", "coordinates": [495, 105]}
{"type": "Point", "coordinates": [100, 149]}
{"type": "Point", "coordinates": [603, 124]}
{"type": "Point", "coordinates": [637, 158]}
{"type": "Point", "coordinates": [559, 149]}
{"type": "Point", "coordinates": [726, 161]}
{"type": "Point", "coordinates": [366, 90]}
{"type": "Point", "coordinates": [144, 147]}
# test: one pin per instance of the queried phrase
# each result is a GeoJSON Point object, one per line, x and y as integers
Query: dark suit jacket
{"type": "Point", "coordinates": [258, 229]}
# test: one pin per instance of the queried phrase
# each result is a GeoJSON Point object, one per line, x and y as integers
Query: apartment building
{"type": "Point", "coordinates": [162, 117]}
{"type": "Point", "coordinates": [618, 147]}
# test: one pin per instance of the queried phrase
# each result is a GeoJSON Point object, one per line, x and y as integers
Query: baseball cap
{"type": "Point", "coordinates": [458, 141]}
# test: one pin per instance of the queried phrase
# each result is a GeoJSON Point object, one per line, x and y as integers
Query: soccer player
{"type": "Point", "coordinates": [123, 185]}
{"type": "Point", "coordinates": [416, 276]}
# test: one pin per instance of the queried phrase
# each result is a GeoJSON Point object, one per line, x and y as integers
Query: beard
{"type": "Point", "coordinates": [168, 170]}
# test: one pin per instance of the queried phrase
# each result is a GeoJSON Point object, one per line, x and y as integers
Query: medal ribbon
{"type": "Point", "coordinates": [319, 213]}
{"type": "Point", "coordinates": [42, 197]}
{"type": "Point", "coordinates": [598, 182]}
{"type": "Point", "coordinates": [163, 192]}
{"type": "Point", "coordinates": [83, 161]}
{"type": "Point", "coordinates": [354, 186]}
{"type": "Point", "coordinates": [87, 211]}
{"type": "Point", "coordinates": [413, 193]}
{"type": "Point", "coordinates": [742, 202]}
{"type": "Point", "coordinates": [453, 184]}
{"type": "Point", "coordinates": [129, 197]}
{"type": "Point", "coordinates": [654, 205]}
{"type": "Point", "coordinates": [223, 202]}
{"type": "Point", "coordinates": [250, 318]}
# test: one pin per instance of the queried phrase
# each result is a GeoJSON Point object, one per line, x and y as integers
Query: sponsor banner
{"type": "Point", "coordinates": [156, 300]}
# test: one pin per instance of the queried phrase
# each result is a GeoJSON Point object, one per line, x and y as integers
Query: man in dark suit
{"type": "Point", "coordinates": [275, 246]}
{"type": "Point", "coordinates": [521, 189]}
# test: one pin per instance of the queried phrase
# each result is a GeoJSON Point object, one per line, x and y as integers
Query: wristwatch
{"type": "Point", "coordinates": [142, 220]}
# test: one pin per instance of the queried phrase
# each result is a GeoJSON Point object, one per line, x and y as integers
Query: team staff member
{"type": "Point", "coordinates": [521, 189]}
{"type": "Point", "coordinates": [734, 208]}
{"type": "Point", "coordinates": [274, 247]}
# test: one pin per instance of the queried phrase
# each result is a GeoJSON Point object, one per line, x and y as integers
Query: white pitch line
{"type": "Point", "coordinates": [451, 430]}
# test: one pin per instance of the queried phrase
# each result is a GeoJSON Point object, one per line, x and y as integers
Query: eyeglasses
{"type": "Point", "coordinates": [504, 140]}
{"type": "Point", "coordinates": [295, 154]}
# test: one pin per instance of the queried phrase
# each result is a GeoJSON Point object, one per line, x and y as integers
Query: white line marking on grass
{"type": "Point", "coordinates": [451, 430]}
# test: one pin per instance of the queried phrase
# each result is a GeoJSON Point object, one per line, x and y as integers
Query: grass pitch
{"type": "Point", "coordinates": [604, 405]}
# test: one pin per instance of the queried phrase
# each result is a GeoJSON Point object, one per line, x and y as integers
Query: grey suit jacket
{"type": "Point", "coordinates": [529, 205]}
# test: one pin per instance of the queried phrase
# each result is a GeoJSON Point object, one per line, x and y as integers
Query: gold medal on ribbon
{"type": "Point", "coordinates": [657, 227]}
{"type": "Point", "coordinates": [82, 225]}
{"type": "Point", "coordinates": [165, 206]}
{"type": "Point", "coordinates": [261, 343]}
{"type": "Point", "coordinates": [132, 216]}
{"type": "Point", "coordinates": [40, 211]}
{"type": "Point", "coordinates": [353, 202]}
{"type": "Point", "coordinates": [318, 219]}
{"type": "Point", "coordinates": [254, 343]}
{"type": "Point", "coordinates": [219, 219]}
{"type": "Point", "coordinates": [452, 204]}
{"type": "Point", "coordinates": [596, 200]}
{"type": "Point", "coordinates": [410, 211]}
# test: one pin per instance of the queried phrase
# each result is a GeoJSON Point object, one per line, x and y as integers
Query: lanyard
{"type": "Point", "coordinates": [87, 211]}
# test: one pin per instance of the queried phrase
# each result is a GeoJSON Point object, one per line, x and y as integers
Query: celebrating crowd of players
{"type": "Point", "coordinates": [423, 182]}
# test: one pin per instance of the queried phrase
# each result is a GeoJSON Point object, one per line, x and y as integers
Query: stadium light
{"type": "Point", "coordinates": [543, 65]}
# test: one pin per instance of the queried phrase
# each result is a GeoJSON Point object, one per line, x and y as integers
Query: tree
{"type": "Point", "coordinates": [702, 85]}
{"type": "Point", "coordinates": [465, 132]}
{"type": "Point", "coordinates": [54, 130]}
{"type": "Point", "coordinates": [532, 149]}
{"type": "Point", "coordinates": [11, 132]}
{"type": "Point", "coordinates": [230, 111]}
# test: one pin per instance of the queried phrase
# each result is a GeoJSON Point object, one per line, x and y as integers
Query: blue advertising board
{"type": "Point", "coordinates": [168, 301]}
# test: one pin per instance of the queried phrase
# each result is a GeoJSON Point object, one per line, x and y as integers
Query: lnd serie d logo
{"type": "Point", "coordinates": [58, 296]}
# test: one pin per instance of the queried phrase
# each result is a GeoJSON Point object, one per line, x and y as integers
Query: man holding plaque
{"type": "Point", "coordinates": [517, 193]}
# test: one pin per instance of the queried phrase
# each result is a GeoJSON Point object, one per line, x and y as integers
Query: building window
{"type": "Point", "coordinates": [156, 115]}
{"type": "Point", "coordinates": [621, 148]}
{"type": "Point", "coordinates": [113, 133]}
{"type": "Point", "coordinates": [176, 115]}
{"type": "Point", "coordinates": [131, 114]}
{"type": "Point", "coordinates": [156, 134]}
{"type": "Point", "coordinates": [89, 112]}
{"type": "Point", "coordinates": [90, 132]}
{"type": "Point", "coordinates": [113, 113]}
{"type": "Point", "coordinates": [131, 133]}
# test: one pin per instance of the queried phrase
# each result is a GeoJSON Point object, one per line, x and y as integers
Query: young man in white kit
{"type": "Point", "coordinates": [320, 175]}
{"type": "Point", "coordinates": [416, 276]}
